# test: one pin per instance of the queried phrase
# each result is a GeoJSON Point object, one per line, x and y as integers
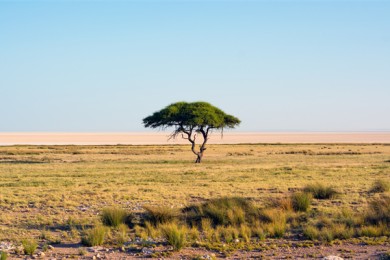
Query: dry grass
{"type": "Point", "coordinates": [82, 180]}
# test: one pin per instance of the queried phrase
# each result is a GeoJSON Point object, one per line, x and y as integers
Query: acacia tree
{"type": "Point", "coordinates": [190, 119]}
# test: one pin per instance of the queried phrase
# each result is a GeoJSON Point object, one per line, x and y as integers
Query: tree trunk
{"type": "Point", "coordinates": [199, 157]}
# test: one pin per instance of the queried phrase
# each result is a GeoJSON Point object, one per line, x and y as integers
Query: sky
{"type": "Point", "coordinates": [102, 66]}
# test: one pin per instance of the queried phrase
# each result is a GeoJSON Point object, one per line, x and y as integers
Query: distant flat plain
{"type": "Point", "coordinates": [161, 138]}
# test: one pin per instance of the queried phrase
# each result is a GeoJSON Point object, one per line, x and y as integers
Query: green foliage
{"type": "Point", "coordinates": [94, 236]}
{"type": "Point", "coordinates": [320, 191]}
{"type": "Point", "coordinates": [223, 211]}
{"type": "Point", "coordinates": [301, 201]}
{"type": "Point", "coordinates": [191, 118]}
{"type": "Point", "coordinates": [175, 236]}
{"type": "Point", "coordinates": [3, 255]}
{"type": "Point", "coordinates": [380, 186]}
{"type": "Point", "coordinates": [29, 246]}
{"type": "Point", "coordinates": [196, 114]}
{"type": "Point", "coordinates": [160, 215]}
{"type": "Point", "coordinates": [113, 216]}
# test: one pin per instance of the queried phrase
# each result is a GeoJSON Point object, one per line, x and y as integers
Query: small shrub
{"type": "Point", "coordinates": [301, 201]}
{"type": "Point", "coordinates": [380, 186]}
{"type": "Point", "coordinates": [113, 216]}
{"type": "Point", "coordinates": [378, 211]}
{"type": "Point", "coordinates": [29, 246]}
{"type": "Point", "coordinates": [160, 215]}
{"type": "Point", "coordinates": [175, 236]}
{"type": "Point", "coordinates": [94, 236]}
{"type": "Point", "coordinates": [320, 191]}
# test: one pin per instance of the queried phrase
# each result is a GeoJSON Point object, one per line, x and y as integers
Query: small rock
{"type": "Point", "coordinates": [236, 240]}
{"type": "Point", "coordinates": [98, 256]}
{"type": "Point", "coordinates": [146, 251]}
{"type": "Point", "coordinates": [332, 257]}
{"type": "Point", "coordinates": [123, 249]}
{"type": "Point", "coordinates": [94, 257]}
{"type": "Point", "coordinates": [50, 247]}
{"type": "Point", "coordinates": [41, 254]}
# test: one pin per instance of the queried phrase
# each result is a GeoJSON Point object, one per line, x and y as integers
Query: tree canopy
{"type": "Point", "coordinates": [191, 118]}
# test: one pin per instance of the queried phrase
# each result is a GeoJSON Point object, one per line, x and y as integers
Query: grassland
{"type": "Point", "coordinates": [50, 193]}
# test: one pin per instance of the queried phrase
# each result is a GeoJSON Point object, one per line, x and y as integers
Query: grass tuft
{"type": "Point", "coordinates": [301, 201]}
{"type": "Point", "coordinates": [320, 191]}
{"type": "Point", "coordinates": [113, 216]}
{"type": "Point", "coordinates": [378, 211]}
{"type": "Point", "coordinates": [29, 246]}
{"type": "Point", "coordinates": [94, 236]}
{"type": "Point", "coordinates": [160, 215]}
{"type": "Point", "coordinates": [175, 235]}
{"type": "Point", "coordinates": [380, 186]}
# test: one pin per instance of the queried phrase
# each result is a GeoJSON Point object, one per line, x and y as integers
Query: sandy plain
{"type": "Point", "coordinates": [161, 138]}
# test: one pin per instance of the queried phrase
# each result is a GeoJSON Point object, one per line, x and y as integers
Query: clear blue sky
{"type": "Point", "coordinates": [277, 65]}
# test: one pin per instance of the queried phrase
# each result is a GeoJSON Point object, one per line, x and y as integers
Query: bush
{"type": "Point", "coordinates": [380, 186]}
{"type": "Point", "coordinates": [320, 191]}
{"type": "Point", "coordinates": [160, 215]}
{"type": "Point", "coordinates": [378, 211]}
{"type": "Point", "coordinates": [29, 246]}
{"type": "Point", "coordinates": [113, 216]}
{"type": "Point", "coordinates": [301, 201]}
{"type": "Point", "coordinates": [94, 236]}
{"type": "Point", "coordinates": [223, 211]}
{"type": "Point", "coordinates": [174, 235]}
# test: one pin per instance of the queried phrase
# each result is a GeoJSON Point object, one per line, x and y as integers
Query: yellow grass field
{"type": "Point", "coordinates": [44, 188]}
